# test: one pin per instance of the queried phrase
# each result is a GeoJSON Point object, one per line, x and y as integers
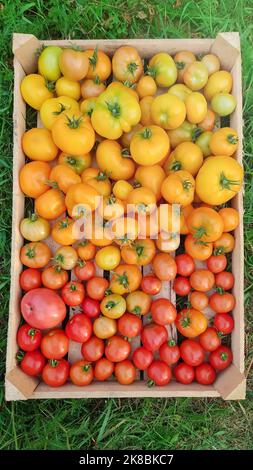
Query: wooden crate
{"type": "Point", "coordinates": [230, 384]}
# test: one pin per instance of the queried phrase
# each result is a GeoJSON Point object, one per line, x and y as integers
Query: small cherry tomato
{"type": "Point", "coordinates": [153, 336]}
{"type": "Point", "coordinates": [224, 323]}
{"type": "Point", "coordinates": [151, 285]}
{"type": "Point", "coordinates": [32, 362]}
{"type": "Point", "coordinates": [198, 300]}
{"type": "Point", "coordinates": [182, 286]}
{"type": "Point", "coordinates": [217, 263]}
{"type": "Point", "coordinates": [30, 279]}
{"type": "Point", "coordinates": [142, 358]}
{"type": "Point", "coordinates": [56, 373]}
{"type": "Point", "coordinates": [84, 270]}
{"type": "Point", "coordinates": [129, 325]}
{"type": "Point", "coordinates": [79, 328]}
{"type": "Point", "coordinates": [73, 293]}
{"type": "Point", "coordinates": [192, 352]}
{"type": "Point", "coordinates": [28, 338]}
{"type": "Point", "coordinates": [163, 311]}
{"type": "Point", "coordinates": [81, 373]}
{"type": "Point", "coordinates": [91, 307]}
{"type": "Point", "coordinates": [103, 369]}
{"type": "Point", "coordinates": [185, 264]}
{"type": "Point", "coordinates": [184, 373]}
{"type": "Point", "coordinates": [125, 372]}
{"type": "Point", "coordinates": [205, 374]}
{"type": "Point", "coordinates": [222, 302]}
{"type": "Point", "coordinates": [93, 349]}
{"type": "Point", "coordinates": [55, 344]}
{"type": "Point", "coordinates": [158, 373]}
{"type": "Point", "coordinates": [221, 358]}
{"type": "Point", "coordinates": [225, 280]}
{"type": "Point", "coordinates": [169, 352]}
{"type": "Point", "coordinates": [210, 339]}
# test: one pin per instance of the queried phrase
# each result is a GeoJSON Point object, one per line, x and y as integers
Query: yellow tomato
{"type": "Point", "coordinates": [145, 105]}
{"type": "Point", "coordinates": [114, 161]}
{"type": "Point", "coordinates": [230, 217]}
{"type": "Point", "coordinates": [127, 136]}
{"type": "Point", "coordinates": [87, 106]}
{"type": "Point", "coordinates": [82, 194]}
{"type": "Point", "coordinates": [108, 258]}
{"type": "Point", "coordinates": [77, 163]}
{"type": "Point", "coordinates": [224, 141]}
{"type": "Point", "coordinates": [223, 104]}
{"type": "Point", "coordinates": [150, 146]}
{"type": "Point", "coordinates": [121, 189]}
{"type": "Point", "coordinates": [196, 76]}
{"type": "Point", "coordinates": [180, 90]}
{"type": "Point", "coordinates": [38, 144]}
{"type": "Point", "coordinates": [35, 90]}
{"type": "Point", "coordinates": [66, 257]}
{"type": "Point", "coordinates": [50, 204]}
{"type": "Point", "coordinates": [52, 108]}
{"type": "Point", "coordinates": [146, 86]}
{"type": "Point", "coordinates": [112, 207]}
{"type": "Point", "coordinates": [196, 107]}
{"type": "Point", "coordinates": [203, 142]}
{"type": "Point", "coordinates": [34, 228]}
{"type": "Point", "coordinates": [163, 69]}
{"type": "Point", "coordinates": [62, 231]}
{"type": "Point", "coordinates": [66, 87]}
{"type": "Point", "coordinates": [126, 278]}
{"type": "Point", "coordinates": [178, 188]}
{"type": "Point", "coordinates": [186, 156]}
{"type": "Point", "coordinates": [98, 180]}
{"type": "Point", "coordinates": [104, 327]}
{"type": "Point", "coordinates": [113, 306]}
{"type": "Point", "coordinates": [184, 133]}
{"type": "Point", "coordinates": [73, 134]}
{"type": "Point", "coordinates": [64, 177]}
{"type": "Point", "coordinates": [212, 63]}
{"type": "Point", "coordinates": [150, 177]}
{"type": "Point", "coordinates": [218, 82]}
{"type": "Point", "coordinates": [168, 111]}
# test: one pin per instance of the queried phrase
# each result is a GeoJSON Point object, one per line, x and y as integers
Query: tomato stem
{"type": "Point", "coordinates": [226, 183]}
{"type": "Point", "coordinates": [74, 122]}
{"type": "Point", "coordinates": [146, 134]}
{"type": "Point", "coordinates": [123, 279]}
{"type": "Point", "coordinates": [125, 153]}
{"type": "Point", "coordinates": [180, 65]}
{"type": "Point", "coordinates": [132, 67]}
{"type": "Point", "coordinates": [176, 166]}
{"type": "Point", "coordinates": [171, 342]}
{"type": "Point", "coordinates": [150, 383]}
{"type": "Point", "coordinates": [94, 58]}
{"type": "Point", "coordinates": [50, 85]}
{"type": "Point", "coordinates": [223, 356]}
{"type": "Point", "coordinates": [114, 109]}
{"type": "Point", "coordinates": [232, 139]}
{"type": "Point", "coordinates": [53, 362]}
{"type": "Point", "coordinates": [111, 304]}
{"type": "Point", "coordinates": [62, 108]}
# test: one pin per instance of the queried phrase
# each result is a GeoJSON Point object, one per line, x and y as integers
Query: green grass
{"type": "Point", "coordinates": [130, 424]}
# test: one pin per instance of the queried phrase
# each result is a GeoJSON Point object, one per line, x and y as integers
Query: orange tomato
{"type": "Point", "coordinates": [146, 86]}
{"type": "Point", "coordinates": [124, 230]}
{"type": "Point", "coordinates": [191, 323]}
{"type": "Point", "coordinates": [112, 207]}
{"type": "Point", "coordinates": [205, 224]}
{"type": "Point", "coordinates": [98, 180]}
{"type": "Point", "coordinates": [35, 255]}
{"type": "Point", "coordinates": [182, 60]}
{"type": "Point", "coordinates": [208, 123]}
{"type": "Point", "coordinates": [112, 160]}
{"type": "Point", "coordinates": [62, 231]}
{"type": "Point", "coordinates": [164, 266]}
{"type": "Point", "coordinates": [178, 188]}
{"type": "Point", "coordinates": [202, 280]}
{"type": "Point", "coordinates": [150, 176]}
{"type": "Point", "coordinates": [82, 194]}
{"type": "Point", "coordinates": [86, 250]}
{"type": "Point", "coordinates": [91, 88]}
{"type": "Point", "coordinates": [224, 141]}
{"type": "Point", "coordinates": [230, 218]}
{"type": "Point", "coordinates": [38, 144]}
{"type": "Point", "coordinates": [138, 302]}
{"type": "Point", "coordinates": [126, 137]}
{"type": "Point", "coordinates": [145, 105]}
{"type": "Point", "coordinates": [150, 145]}
{"type": "Point", "coordinates": [121, 189]}
{"type": "Point", "coordinates": [127, 64]}
{"type": "Point", "coordinates": [99, 64]}
{"type": "Point", "coordinates": [54, 277]}
{"type": "Point", "coordinates": [168, 111]}
{"type": "Point", "coordinates": [224, 244]}
{"type": "Point", "coordinates": [64, 177]}
{"type": "Point", "coordinates": [199, 300]}
{"type": "Point", "coordinates": [50, 204]}
{"type": "Point", "coordinates": [185, 212]}
{"type": "Point", "coordinates": [140, 252]}
{"type": "Point", "coordinates": [67, 87]}
{"type": "Point", "coordinates": [87, 106]}
{"type": "Point", "coordinates": [77, 163]}
{"type": "Point", "coordinates": [186, 156]}
{"type": "Point", "coordinates": [33, 177]}
{"type": "Point", "coordinates": [143, 199]}
{"type": "Point", "coordinates": [73, 134]}
{"type": "Point", "coordinates": [197, 249]}
{"type": "Point", "coordinates": [126, 278]}
{"type": "Point", "coordinates": [74, 64]}
{"type": "Point", "coordinates": [196, 76]}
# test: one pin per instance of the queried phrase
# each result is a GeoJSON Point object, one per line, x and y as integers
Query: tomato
{"type": "Point", "coordinates": [81, 373]}
{"type": "Point", "coordinates": [34, 228]}
{"type": "Point", "coordinates": [146, 86]}
{"type": "Point", "coordinates": [96, 287]}
{"type": "Point", "coordinates": [50, 204]}
{"type": "Point", "coordinates": [198, 249]}
{"type": "Point", "coordinates": [182, 286]}
{"type": "Point", "coordinates": [66, 257]}
{"type": "Point", "coordinates": [108, 258]}
{"type": "Point", "coordinates": [210, 339]}
{"type": "Point", "coordinates": [52, 108]}
{"type": "Point", "coordinates": [212, 63]}
{"type": "Point", "coordinates": [205, 224]}
{"type": "Point", "coordinates": [73, 134]}
{"type": "Point", "coordinates": [84, 270]}
{"type": "Point", "coordinates": [117, 349]}
{"type": "Point", "coordinates": [191, 322]}
{"type": "Point", "coordinates": [168, 111]}
{"type": "Point", "coordinates": [73, 64]}
{"type": "Point", "coordinates": [169, 352]}
{"type": "Point", "coordinates": [163, 69]}
{"type": "Point", "coordinates": [86, 250]}
{"type": "Point", "coordinates": [91, 307]}
{"type": "Point", "coordinates": [54, 277]}
{"type": "Point", "coordinates": [99, 64]}
{"type": "Point", "coordinates": [153, 336]}
{"type": "Point", "coordinates": [79, 328]}
{"type": "Point", "coordinates": [205, 374]}
{"type": "Point", "coordinates": [150, 177]}
{"type": "Point", "coordinates": [121, 189]}
{"type": "Point", "coordinates": [224, 280]}
{"type": "Point", "coordinates": [222, 302]}
{"type": "Point", "coordinates": [184, 373]}
{"type": "Point", "coordinates": [202, 280]}
{"type": "Point", "coordinates": [127, 64]}
{"type": "Point", "coordinates": [91, 88]}
{"type": "Point", "coordinates": [32, 363]}
{"type": "Point", "coordinates": [111, 160]}
{"type": "Point", "coordinates": [28, 338]}
{"type": "Point", "coordinates": [116, 111]}
{"type": "Point", "coordinates": [224, 244]}
{"type": "Point", "coordinates": [33, 178]}
{"type": "Point", "coordinates": [87, 106]}
{"type": "Point", "coordinates": [158, 373]}
{"type": "Point", "coordinates": [217, 263]}
{"type": "Point", "coordinates": [198, 300]}
{"type": "Point", "coordinates": [55, 344]}
{"type": "Point", "coordinates": [230, 218]}
{"type": "Point", "coordinates": [195, 75]}
{"type": "Point", "coordinates": [185, 264]}
{"type": "Point", "coordinates": [125, 372]}
{"type": "Point", "coordinates": [184, 214]}
{"type": "Point", "coordinates": [66, 87]}
{"type": "Point", "coordinates": [180, 90]}
{"type": "Point", "coordinates": [80, 198]}
{"type": "Point", "coordinates": [150, 145]}
{"type": "Point", "coordinates": [78, 163]}
{"type": "Point", "coordinates": [178, 188]}
{"type": "Point", "coordinates": [30, 279]}
{"type": "Point", "coordinates": [62, 231]}
{"type": "Point", "coordinates": [151, 285]}
{"type": "Point", "coordinates": [56, 373]}
{"type": "Point", "coordinates": [73, 293]}
{"type": "Point", "coordinates": [43, 308]}
{"type": "Point", "coordinates": [196, 108]}
{"type": "Point", "coordinates": [124, 230]}
{"type": "Point", "coordinates": [138, 302]}
{"type": "Point", "coordinates": [186, 156]}
{"type": "Point", "coordinates": [104, 327]}
{"type": "Point", "coordinates": [93, 349]}
{"type": "Point", "coordinates": [163, 311]}
{"type": "Point", "coordinates": [182, 60]}
{"type": "Point", "coordinates": [98, 180]}
{"type": "Point", "coordinates": [140, 252]}
{"type": "Point", "coordinates": [164, 266]}
{"type": "Point", "coordinates": [145, 105]}
{"type": "Point", "coordinates": [208, 123]}
{"type": "Point", "coordinates": [224, 141]}
{"type": "Point", "coordinates": [219, 82]}
{"type": "Point", "coordinates": [223, 104]}
{"type": "Point", "coordinates": [129, 325]}
{"type": "Point", "coordinates": [112, 208]}
{"type": "Point", "coordinates": [224, 323]}
{"type": "Point", "coordinates": [64, 177]}
{"type": "Point", "coordinates": [218, 180]}
{"type": "Point", "coordinates": [103, 369]}
{"type": "Point", "coordinates": [126, 278]}
{"type": "Point", "coordinates": [35, 90]}
{"type": "Point", "coordinates": [37, 144]}
{"type": "Point", "coordinates": [221, 358]}
{"type": "Point", "coordinates": [48, 63]}
{"type": "Point", "coordinates": [183, 133]}
{"type": "Point", "coordinates": [192, 352]}
{"type": "Point", "coordinates": [113, 306]}
{"type": "Point", "coordinates": [35, 255]}
{"type": "Point", "coordinates": [203, 142]}
{"type": "Point", "coordinates": [142, 358]}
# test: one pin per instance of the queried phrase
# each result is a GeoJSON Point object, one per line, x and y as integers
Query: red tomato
{"type": "Point", "coordinates": [79, 328]}
{"type": "Point", "coordinates": [81, 373]}
{"type": "Point", "coordinates": [28, 338]}
{"type": "Point", "coordinates": [56, 373]}
{"type": "Point", "coordinates": [103, 369]}
{"type": "Point", "coordinates": [184, 373]}
{"type": "Point", "coordinates": [151, 285]}
{"type": "Point", "coordinates": [163, 311]}
{"type": "Point", "coordinates": [185, 264]}
{"type": "Point", "coordinates": [91, 307]}
{"type": "Point", "coordinates": [216, 263]}
{"type": "Point", "coordinates": [224, 323]}
{"type": "Point", "coordinates": [96, 287]}
{"type": "Point", "coordinates": [84, 270]}
{"type": "Point", "coordinates": [93, 349]}
{"type": "Point", "coordinates": [159, 373]}
{"type": "Point", "coordinates": [73, 293]}
{"type": "Point", "coordinates": [55, 344]}
{"type": "Point", "coordinates": [117, 349]}
{"type": "Point", "coordinates": [221, 357]}
{"type": "Point", "coordinates": [221, 303]}
{"type": "Point", "coordinates": [30, 279]}
{"type": "Point", "coordinates": [210, 339]}
{"type": "Point", "coordinates": [142, 358]}
{"type": "Point", "coordinates": [164, 266]}
{"type": "Point", "coordinates": [153, 336]}
{"type": "Point", "coordinates": [192, 352]}
{"type": "Point", "coordinates": [32, 362]}
{"type": "Point", "coordinates": [182, 286]}
{"type": "Point", "coordinates": [169, 352]}
{"type": "Point", "coordinates": [225, 280]}
{"type": "Point", "coordinates": [129, 325]}
{"type": "Point", "coordinates": [125, 372]}
{"type": "Point", "coordinates": [205, 374]}
{"type": "Point", "coordinates": [43, 308]}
